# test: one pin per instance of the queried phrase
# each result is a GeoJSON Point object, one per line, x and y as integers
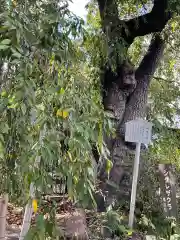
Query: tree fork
{"type": "Point", "coordinates": [152, 22]}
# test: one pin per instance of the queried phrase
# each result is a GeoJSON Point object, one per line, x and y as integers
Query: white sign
{"type": "Point", "coordinates": [138, 131]}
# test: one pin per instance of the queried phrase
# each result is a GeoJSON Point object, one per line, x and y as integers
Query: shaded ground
{"type": "Point", "coordinates": [92, 223]}
{"type": "Point", "coordinates": [66, 216]}
{"type": "Point", "coordinates": [14, 221]}
{"type": "Point", "coordinates": [12, 233]}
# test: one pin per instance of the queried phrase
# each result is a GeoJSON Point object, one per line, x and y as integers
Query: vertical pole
{"type": "Point", "coordinates": [3, 212]}
{"type": "Point", "coordinates": [134, 185]}
{"type": "Point", "coordinates": [27, 215]}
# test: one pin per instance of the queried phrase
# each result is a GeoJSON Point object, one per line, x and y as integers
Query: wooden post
{"type": "Point", "coordinates": [168, 190]}
{"type": "Point", "coordinates": [27, 215]}
{"type": "Point", "coordinates": [3, 212]}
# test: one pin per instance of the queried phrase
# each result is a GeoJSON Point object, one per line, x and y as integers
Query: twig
{"type": "Point", "coordinates": [166, 80]}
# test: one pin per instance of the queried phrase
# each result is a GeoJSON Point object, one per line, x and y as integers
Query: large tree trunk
{"type": "Point", "coordinates": [125, 105]}
{"type": "Point", "coordinates": [125, 92]}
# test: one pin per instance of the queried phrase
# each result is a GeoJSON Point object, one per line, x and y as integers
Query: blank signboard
{"type": "Point", "coordinates": [138, 131]}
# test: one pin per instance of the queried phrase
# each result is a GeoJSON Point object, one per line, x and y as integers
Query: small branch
{"type": "Point", "coordinates": [64, 7]}
{"type": "Point", "coordinates": [166, 80]}
{"type": "Point", "coordinates": [162, 79]}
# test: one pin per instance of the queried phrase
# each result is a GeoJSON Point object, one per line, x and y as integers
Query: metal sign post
{"type": "Point", "coordinates": [134, 184]}
{"type": "Point", "coordinates": [138, 131]}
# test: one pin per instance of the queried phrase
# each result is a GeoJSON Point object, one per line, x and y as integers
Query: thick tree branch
{"type": "Point", "coordinates": [136, 106]}
{"type": "Point", "coordinates": [150, 61]}
{"type": "Point", "coordinates": [151, 22]}
{"type": "Point", "coordinates": [109, 12]}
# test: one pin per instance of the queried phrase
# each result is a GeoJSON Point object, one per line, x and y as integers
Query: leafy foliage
{"type": "Point", "coordinates": [46, 92]}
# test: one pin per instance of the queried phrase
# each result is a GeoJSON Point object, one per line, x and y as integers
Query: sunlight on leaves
{"type": "Point", "coordinates": [62, 113]}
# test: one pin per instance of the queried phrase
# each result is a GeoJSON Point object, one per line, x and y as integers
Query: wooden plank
{"type": "Point", "coordinates": [168, 189]}
{"type": "Point", "coordinates": [3, 212]}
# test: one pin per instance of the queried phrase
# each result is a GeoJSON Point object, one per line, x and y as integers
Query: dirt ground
{"type": "Point", "coordinates": [64, 211]}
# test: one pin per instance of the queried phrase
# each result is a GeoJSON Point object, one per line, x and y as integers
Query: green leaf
{"type": "Point", "coordinates": [13, 106]}
{"type": "Point", "coordinates": [2, 150]}
{"type": "Point", "coordinates": [92, 197]}
{"type": "Point", "coordinates": [109, 165]}
{"type": "Point", "coordinates": [62, 91]}
{"type": "Point", "coordinates": [70, 186]}
{"type": "Point", "coordinates": [4, 128]}
{"type": "Point", "coordinates": [122, 228]}
{"type": "Point", "coordinates": [16, 54]}
{"type": "Point", "coordinates": [40, 107]}
{"type": "Point", "coordinates": [49, 228]}
{"type": "Point", "coordinates": [4, 47]}
{"type": "Point", "coordinates": [40, 222]}
{"type": "Point", "coordinates": [23, 108]}
{"type": "Point", "coordinates": [5, 42]}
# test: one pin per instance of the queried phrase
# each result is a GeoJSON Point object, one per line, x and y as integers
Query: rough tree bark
{"type": "Point", "coordinates": [127, 103]}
